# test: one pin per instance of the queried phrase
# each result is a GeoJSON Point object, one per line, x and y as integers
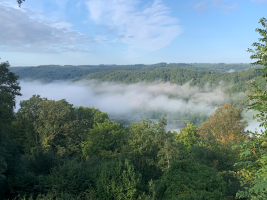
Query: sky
{"type": "Point", "coordinates": [84, 32]}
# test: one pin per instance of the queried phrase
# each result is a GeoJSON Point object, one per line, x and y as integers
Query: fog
{"type": "Point", "coordinates": [121, 99]}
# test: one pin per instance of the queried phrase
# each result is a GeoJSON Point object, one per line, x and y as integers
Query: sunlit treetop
{"type": "Point", "coordinates": [260, 51]}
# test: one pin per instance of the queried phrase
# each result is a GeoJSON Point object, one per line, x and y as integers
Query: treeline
{"type": "Point", "coordinates": [52, 150]}
{"type": "Point", "coordinates": [48, 73]}
{"type": "Point", "coordinates": [233, 82]}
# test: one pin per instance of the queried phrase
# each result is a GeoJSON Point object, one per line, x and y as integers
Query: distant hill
{"type": "Point", "coordinates": [235, 82]}
{"type": "Point", "coordinates": [48, 73]}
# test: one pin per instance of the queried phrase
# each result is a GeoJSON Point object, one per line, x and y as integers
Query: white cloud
{"type": "Point", "coordinates": [130, 99]}
{"type": "Point", "coordinates": [117, 98]}
{"type": "Point", "coordinates": [147, 29]}
{"type": "Point", "coordinates": [22, 30]}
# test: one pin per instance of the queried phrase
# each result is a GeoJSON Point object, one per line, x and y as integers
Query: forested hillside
{"type": "Point", "coordinates": [236, 81]}
{"type": "Point", "coordinates": [48, 73]}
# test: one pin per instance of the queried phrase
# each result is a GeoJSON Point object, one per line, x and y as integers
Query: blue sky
{"type": "Point", "coordinates": [77, 32]}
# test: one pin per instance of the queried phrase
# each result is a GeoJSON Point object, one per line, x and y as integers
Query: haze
{"type": "Point", "coordinates": [121, 99]}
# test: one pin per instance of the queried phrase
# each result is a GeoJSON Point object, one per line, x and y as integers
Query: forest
{"type": "Point", "coordinates": [50, 149]}
{"type": "Point", "coordinates": [48, 73]}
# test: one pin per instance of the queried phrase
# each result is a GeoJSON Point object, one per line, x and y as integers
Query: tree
{"type": "Point", "coordinates": [117, 180]}
{"type": "Point", "coordinates": [260, 51]}
{"type": "Point", "coordinates": [28, 138]}
{"type": "Point", "coordinates": [259, 98]}
{"type": "Point", "coordinates": [9, 155]}
{"type": "Point", "coordinates": [142, 150]}
{"type": "Point", "coordinates": [56, 126]}
{"type": "Point", "coordinates": [105, 139]}
{"type": "Point", "coordinates": [253, 156]}
{"type": "Point", "coordinates": [168, 146]}
{"type": "Point", "coordinates": [186, 179]}
{"type": "Point", "coordinates": [9, 89]}
{"type": "Point", "coordinates": [225, 126]}
{"type": "Point", "coordinates": [188, 137]}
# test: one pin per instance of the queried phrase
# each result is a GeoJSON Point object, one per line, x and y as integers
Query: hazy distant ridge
{"type": "Point", "coordinates": [48, 73]}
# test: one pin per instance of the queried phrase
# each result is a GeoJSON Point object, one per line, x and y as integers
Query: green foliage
{"type": "Point", "coordinates": [9, 89]}
{"type": "Point", "coordinates": [9, 155]}
{"type": "Point", "coordinates": [10, 163]}
{"type": "Point", "coordinates": [105, 139]}
{"type": "Point", "coordinates": [186, 179]}
{"type": "Point", "coordinates": [259, 98]}
{"type": "Point", "coordinates": [187, 137]}
{"type": "Point", "coordinates": [48, 73]}
{"type": "Point", "coordinates": [252, 167]}
{"type": "Point", "coordinates": [26, 118]}
{"type": "Point", "coordinates": [55, 126]}
{"type": "Point", "coordinates": [41, 163]}
{"type": "Point", "coordinates": [27, 184]}
{"type": "Point", "coordinates": [151, 149]}
{"type": "Point", "coordinates": [233, 82]}
{"type": "Point", "coordinates": [253, 156]}
{"type": "Point", "coordinates": [73, 177]}
{"type": "Point", "coordinates": [142, 150]}
{"type": "Point", "coordinates": [168, 146]}
{"type": "Point", "coordinates": [117, 180]}
{"type": "Point", "coordinates": [260, 51]}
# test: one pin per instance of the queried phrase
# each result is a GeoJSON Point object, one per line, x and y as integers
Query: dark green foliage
{"type": "Point", "coordinates": [187, 179]}
{"type": "Point", "coordinates": [48, 73]}
{"type": "Point", "coordinates": [168, 146]}
{"type": "Point", "coordinates": [41, 163]}
{"type": "Point", "coordinates": [9, 89]}
{"type": "Point", "coordinates": [10, 164]}
{"type": "Point", "coordinates": [73, 177]}
{"type": "Point", "coordinates": [181, 76]}
{"type": "Point", "coordinates": [27, 184]}
{"type": "Point", "coordinates": [142, 151]}
{"type": "Point", "coordinates": [117, 180]}
{"type": "Point", "coordinates": [105, 139]}
{"type": "Point", "coordinates": [151, 149]}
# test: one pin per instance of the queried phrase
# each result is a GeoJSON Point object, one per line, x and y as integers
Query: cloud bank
{"type": "Point", "coordinates": [116, 98]}
{"type": "Point", "coordinates": [135, 99]}
{"type": "Point", "coordinates": [23, 30]}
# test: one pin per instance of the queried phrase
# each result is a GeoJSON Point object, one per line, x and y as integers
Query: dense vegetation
{"type": "Point", "coordinates": [52, 150]}
{"type": "Point", "coordinates": [48, 73]}
{"type": "Point", "coordinates": [238, 81]}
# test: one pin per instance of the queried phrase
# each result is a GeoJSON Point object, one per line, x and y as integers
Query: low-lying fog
{"type": "Point", "coordinates": [120, 99]}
